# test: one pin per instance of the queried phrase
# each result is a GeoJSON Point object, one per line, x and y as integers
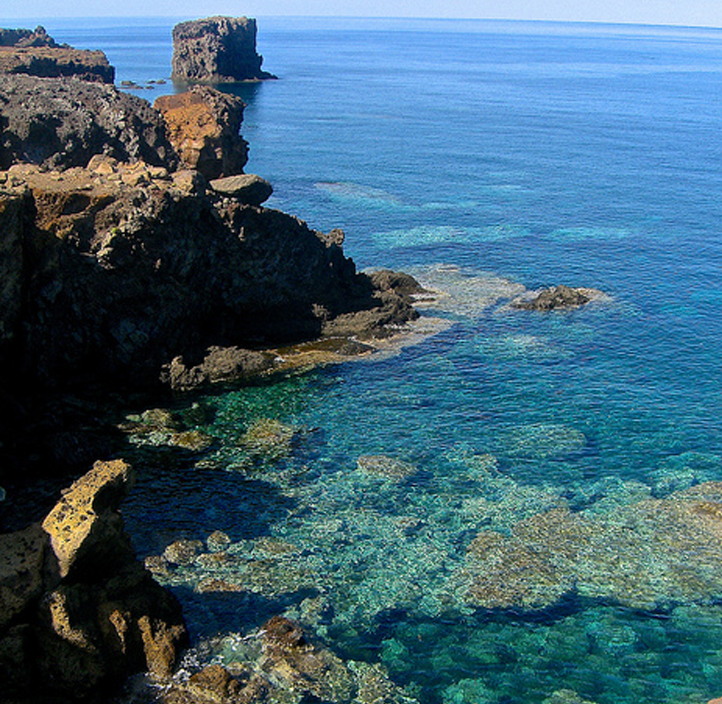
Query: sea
{"type": "Point", "coordinates": [521, 506]}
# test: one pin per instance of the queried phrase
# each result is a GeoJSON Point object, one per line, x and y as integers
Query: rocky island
{"type": "Point", "coordinates": [217, 50]}
{"type": "Point", "coordinates": [134, 254]}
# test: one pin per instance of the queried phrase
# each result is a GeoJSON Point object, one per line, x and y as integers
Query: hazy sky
{"type": "Point", "coordinates": [682, 12]}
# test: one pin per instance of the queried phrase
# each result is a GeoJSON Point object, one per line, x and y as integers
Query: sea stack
{"type": "Point", "coordinates": [217, 50]}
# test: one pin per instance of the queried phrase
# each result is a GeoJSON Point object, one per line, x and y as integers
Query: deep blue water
{"type": "Point", "coordinates": [530, 153]}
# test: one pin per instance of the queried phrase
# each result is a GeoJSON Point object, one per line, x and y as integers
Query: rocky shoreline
{"type": "Point", "coordinates": [137, 257]}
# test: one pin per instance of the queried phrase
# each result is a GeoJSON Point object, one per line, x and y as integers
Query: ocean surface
{"type": "Point", "coordinates": [523, 504]}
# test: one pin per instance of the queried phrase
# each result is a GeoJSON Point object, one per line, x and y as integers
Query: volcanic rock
{"type": "Point", "coordinates": [59, 123]}
{"type": "Point", "coordinates": [217, 50]}
{"type": "Point", "coordinates": [79, 613]}
{"type": "Point", "coordinates": [203, 126]}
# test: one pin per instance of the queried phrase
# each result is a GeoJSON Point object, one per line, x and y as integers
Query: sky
{"type": "Point", "coordinates": [707, 13]}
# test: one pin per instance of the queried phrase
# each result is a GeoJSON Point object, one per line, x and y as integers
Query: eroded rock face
{"type": "Point", "coordinates": [203, 126]}
{"type": "Point", "coordinates": [37, 54]}
{"type": "Point", "coordinates": [123, 272]}
{"type": "Point", "coordinates": [61, 123]}
{"type": "Point", "coordinates": [78, 612]}
{"type": "Point", "coordinates": [217, 50]}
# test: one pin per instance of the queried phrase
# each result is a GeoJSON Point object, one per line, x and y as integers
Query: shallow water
{"type": "Point", "coordinates": [484, 157]}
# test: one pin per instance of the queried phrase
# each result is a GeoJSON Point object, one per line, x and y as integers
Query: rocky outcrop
{"type": "Point", "coordinates": [217, 50]}
{"type": "Point", "coordinates": [557, 297]}
{"type": "Point", "coordinates": [37, 54]}
{"type": "Point", "coordinates": [61, 123]}
{"type": "Point", "coordinates": [204, 128]}
{"type": "Point", "coordinates": [77, 611]}
{"type": "Point", "coordinates": [24, 38]}
{"type": "Point", "coordinates": [115, 281]}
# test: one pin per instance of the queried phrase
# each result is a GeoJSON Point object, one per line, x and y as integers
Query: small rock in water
{"type": "Point", "coordinates": [193, 440]}
{"type": "Point", "coordinates": [556, 297]}
{"type": "Point", "coordinates": [217, 541]}
{"type": "Point", "coordinates": [183, 552]}
{"type": "Point", "coordinates": [385, 466]}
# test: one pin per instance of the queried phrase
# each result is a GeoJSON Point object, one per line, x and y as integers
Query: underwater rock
{"type": "Point", "coordinates": [648, 554]}
{"type": "Point", "coordinates": [531, 569]}
{"type": "Point", "coordinates": [183, 552]}
{"type": "Point", "coordinates": [217, 541]}
{"type": "Point", "coordinates": [385, 466]}
{"type": "Point", "coordinates": [557, 297]}
{"type": "Point", "coordinates": [543, 440]}
{"type": "Point", "coordinates": [268, 439]}
{"type": "Point", "coordinates": [566, 696]}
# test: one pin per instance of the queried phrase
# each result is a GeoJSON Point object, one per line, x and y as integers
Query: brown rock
{"type": "Point", "coordinates": [203, 126]}
{"type": "Point", "coordinates": [160, 644]}
{"type": "Point", "coordinates": [84, 527]}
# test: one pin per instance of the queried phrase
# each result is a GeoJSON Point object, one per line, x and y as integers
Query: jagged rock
{"type": "Point", "coordinates": [557, 297]}
{"type": "Point", "coordinates": [26, 37]}
{"type": "Point", "coordinates": [86, 532]}
{"type": "Point", "coordinates": [61, 122]}
{"type": "Point", "coordinates": [203, 126]}
{"type": "Point", "coordinates": [78, 612]}
{"type": "Point", "coordinates": [37, 54]}
{"type": "Point", "coordinates": [216, 50]}
{"type": "Point", "coordinates": [246, 188]}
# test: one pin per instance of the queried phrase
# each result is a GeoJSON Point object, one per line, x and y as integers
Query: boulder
{"type": "Point", "coordinates": [203, 126]}
{"type": "Point", "coordinates": [78, 613]}
{"type": "Point", "coordinates": [58, 123]}
{"type": "Point", "coordinates": [248, 189]}
{"type": "Point", "coordinates": [216, 50]}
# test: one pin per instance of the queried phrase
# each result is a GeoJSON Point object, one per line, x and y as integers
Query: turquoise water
{"type": "Point", "coordinates": [485, 157]}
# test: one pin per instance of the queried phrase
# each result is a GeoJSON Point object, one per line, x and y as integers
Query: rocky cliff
{"type": "Point", "coordinates": [77, 612]}
{"type": "Point", "coordinates": [217, 50]}
{"type": "Point", "coordinates": [35, 53]}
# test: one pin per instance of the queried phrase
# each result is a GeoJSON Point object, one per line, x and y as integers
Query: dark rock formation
{"type": "Point", "coordinates": [77, 611]}
{"type": "Point", "coordinates": [26, 38]}
{"type": "Point", "coordinates": [217, 50]}
{"type": "Point", "coordinates": [61, 123]}
{"type": "Point", "coordinates": [556, 297]}
{"type": "Point", "coordinates": [115, 281]}
{"type": "Point", "coordinates": [37, 54]}
{"type": "Point", "coordinates": [204, 128]}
